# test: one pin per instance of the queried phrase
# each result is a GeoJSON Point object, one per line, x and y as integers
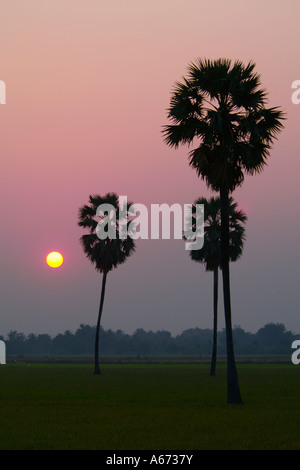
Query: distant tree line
{"type": "Point", "coordinates": [273, 338]}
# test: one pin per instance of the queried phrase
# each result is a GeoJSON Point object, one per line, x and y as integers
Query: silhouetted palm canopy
{"type": "Point", "coordinates": [220, 105]}
{"type": "Point", "coordinates": [106, 253]}
{"type": "Point", "coordinates": [210, 254]}
{"type": "Point", "coordinates": [220, 109]}
{"type": "Point", "coordinates": [109, 253]}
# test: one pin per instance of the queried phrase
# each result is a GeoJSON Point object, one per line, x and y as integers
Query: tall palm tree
{"type": "Point", "coordinates": [220, 108]}
{"type": "Point", "coordinates": [210, 253]}
{"type": "Point", "coordinates": [105, 253]}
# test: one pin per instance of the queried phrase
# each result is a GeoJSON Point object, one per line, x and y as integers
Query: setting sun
{"type": "Point", "coordinates": [54, 259]}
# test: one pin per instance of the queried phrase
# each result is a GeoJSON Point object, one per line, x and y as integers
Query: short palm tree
{"type": "Point", "coordinates": [105, 253]}
{"type": "Point", "coordinates": [210, 253]}
{"type": "Point", "coordinates": [220, 108]}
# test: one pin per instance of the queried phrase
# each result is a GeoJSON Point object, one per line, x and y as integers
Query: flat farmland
{"type": "Point", "coordinates": [147, 407]}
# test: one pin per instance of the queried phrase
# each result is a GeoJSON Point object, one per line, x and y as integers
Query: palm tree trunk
{"type": "Point", "coordinates": [233, 391]}
{"type": "Point", "coordinates": [97, 367]}
{"type": "Point", "coordinates": [215, 327]}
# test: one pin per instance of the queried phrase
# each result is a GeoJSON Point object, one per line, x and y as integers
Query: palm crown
{"type": "Point", "coordinates": [220, 105]}
{"type": "Point", "coordinates": [210, 254]}
{"type": "Point", "coordinates": [108, 253]}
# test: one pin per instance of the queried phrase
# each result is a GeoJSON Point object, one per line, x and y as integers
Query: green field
{"type": "Point", "coordinates": [154, 407]}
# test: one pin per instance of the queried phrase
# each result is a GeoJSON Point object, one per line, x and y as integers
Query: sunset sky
{"type": "Point", "coordinates": [88, 83]}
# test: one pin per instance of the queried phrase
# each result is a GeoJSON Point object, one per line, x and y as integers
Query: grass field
{"type": "Point", "coordinates": [154, 407]}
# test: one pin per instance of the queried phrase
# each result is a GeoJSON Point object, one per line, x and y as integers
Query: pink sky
{"type": "Point", "coordinates": [88, 84]}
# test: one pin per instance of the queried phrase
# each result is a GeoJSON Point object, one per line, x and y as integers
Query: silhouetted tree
{"type": "Point", "coordinates": [105, 253]}
{"type": "Point", "coordinates": [274, 337]}
{"type": "Point", "coordinates": [271, 339]}
{"type": "Point", "coordinates": [220, 105]}
{"type": "Point", "coordinates": [210, 253]}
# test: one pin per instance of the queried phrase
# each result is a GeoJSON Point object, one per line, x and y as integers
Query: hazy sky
{"type": "Point", "coordinates": [88, 83]}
